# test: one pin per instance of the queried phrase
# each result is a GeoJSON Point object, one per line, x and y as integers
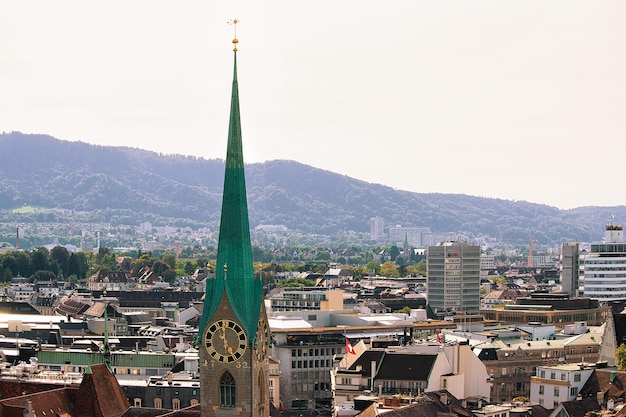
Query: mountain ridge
{"type": "Point", "coordinates": [48, 172]}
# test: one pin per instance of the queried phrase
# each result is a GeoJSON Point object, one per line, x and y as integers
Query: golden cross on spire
{"type": "Point", "coordinates": [235, 41]}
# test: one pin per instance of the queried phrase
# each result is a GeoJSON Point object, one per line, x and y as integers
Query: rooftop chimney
{"type": "Point", "coordinates": [28, 410]}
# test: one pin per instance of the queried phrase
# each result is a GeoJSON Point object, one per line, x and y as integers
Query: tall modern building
{"type": "Point", "coordinates": [233, 330]}
{"type": "Point", "coordinates": [570, 269]}
{"type": "Point", "coordinates": [453, 277]}
{"type": "Point", "coordinates": [377, 229]}
{"type": "Point", "coordinates": [605, 266]}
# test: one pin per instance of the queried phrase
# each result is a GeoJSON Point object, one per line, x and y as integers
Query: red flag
{"type": "Point", "coordinates": [349, 348]}
{"type": "Point", "coordinates": [438, 336]}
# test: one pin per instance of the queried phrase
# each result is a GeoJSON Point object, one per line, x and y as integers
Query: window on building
{"type": "Point", "coordinates": [543, 373]}
{"type": "Point", "coordinates": [503, 371]}
{"type": "Point", "coordinates": [137, 402]}
{"type": "Point", "coordinates": [193, 402]}
{"type": "Point", "coordinates": [175, 404]}
{"type": "Point", "coordinates": [541, 389]}
{"type": "Point", "coordinates": [556, 391]}
{"type": "Point", "coordinates": [573, 391]}
{"type": "Point", "coordinates": [576, 377]}
{"type": "Point", "coordinates": [158, 403]}
{"type": "Point", "coordinates": [227, 391]}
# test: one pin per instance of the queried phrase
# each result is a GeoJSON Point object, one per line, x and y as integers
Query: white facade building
{"type": "Point", "coordinates": [410, 371]}
{"type": "Point", "coordinates": [377, 229]}
{"type": "Point", "coordinates": [605, 267]}
{"type": "Point", "coordinates": [555, 384]}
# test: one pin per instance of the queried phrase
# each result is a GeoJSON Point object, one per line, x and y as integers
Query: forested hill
{"type": "Point", "coordinates": [42, 171]}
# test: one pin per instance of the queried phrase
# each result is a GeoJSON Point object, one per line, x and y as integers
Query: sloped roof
{"type": "Point", "coordinates": [430, 405]}
{"type": "Point", "coordinates": [100, 395]}
{"type": "Point", "coordinates": [400, 366]}
{"type": "Point", "coordinates": [580, 408]}
{"type": "Point", "coordinates": [365, 362]}
{"type": "Point", "coordinates": [69, 307]}
{"type": "Point", "coordinates": [609, 381]}
{"type": "Point", "coordinates": [369, 411]}
{"type": "Point", "coordinates": [96, 310]}
{"type": "Point", "coordinates": [103, 275]}
{"type": "Point", "coordinates": [193, 411]}
{"type": "Point", "coordinates": [56, 401]}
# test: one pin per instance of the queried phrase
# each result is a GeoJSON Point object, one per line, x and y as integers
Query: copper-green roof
{"type": "Point", "coordinates": [234, 270]}
{"type": "Point", "coordinates": [125, 359]}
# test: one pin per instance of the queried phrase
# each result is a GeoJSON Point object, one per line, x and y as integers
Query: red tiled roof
{"type": "Point", "coordinates": [53, 402]}
{"type": "Point", "coordinates": [100, 395]}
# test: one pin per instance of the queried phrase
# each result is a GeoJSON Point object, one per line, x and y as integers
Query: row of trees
{"type": "Point", "coordinates": [41, 263]}
{"type": "Point", "coordinates": [59, 263]}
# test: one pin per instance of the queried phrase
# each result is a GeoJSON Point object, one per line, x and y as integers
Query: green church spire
{"type": "Point", "coordinates": [234, 269]}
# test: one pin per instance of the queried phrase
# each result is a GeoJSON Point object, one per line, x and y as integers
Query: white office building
{"type": "Point", "coordinates": [377, 229]}
{"type": "Point", "coordinates": [605, 266]}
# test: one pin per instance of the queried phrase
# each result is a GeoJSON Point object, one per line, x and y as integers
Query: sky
{"type": "Point", "coordinates": [519, 100]}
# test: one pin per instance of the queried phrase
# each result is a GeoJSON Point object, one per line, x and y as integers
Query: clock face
{"type": "Point", "coordinates": [263, 335]}
{"type": "Point", "coordinates": [225, 341]}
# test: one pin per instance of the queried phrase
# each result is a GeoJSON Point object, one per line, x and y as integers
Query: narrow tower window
{"type": "Point", "coordinates": [227, 391]}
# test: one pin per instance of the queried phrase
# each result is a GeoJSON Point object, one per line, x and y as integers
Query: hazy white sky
{"type": "Point", "coordinates": [522, 100]}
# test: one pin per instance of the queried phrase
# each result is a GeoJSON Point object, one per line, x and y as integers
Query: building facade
{"type": "Point", "coordinates": [453, 283]}
{"type": "Point", "coordinates": [570, 269]}
{"type": "Point", "coordinates": [554, 384]}
{"type": "Point", "coordinates": [605, 267]}
{"type": "Point", "coordinates": [377, 229]}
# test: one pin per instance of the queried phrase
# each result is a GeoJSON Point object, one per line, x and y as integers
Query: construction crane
{"type": "Point", "coordinates": [530, 251]}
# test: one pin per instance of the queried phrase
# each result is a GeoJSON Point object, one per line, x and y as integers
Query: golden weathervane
{"type": "Point", "coordinates": [235, 41]}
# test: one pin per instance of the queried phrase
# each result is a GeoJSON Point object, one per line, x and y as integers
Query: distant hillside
{"type": "Point", "coordinates": [39, 170]}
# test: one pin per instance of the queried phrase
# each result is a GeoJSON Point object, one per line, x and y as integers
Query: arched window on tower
{"type": "Point", "coordinates": [227, 390]}
{"type": "Point", "coordinates": [262, 391]}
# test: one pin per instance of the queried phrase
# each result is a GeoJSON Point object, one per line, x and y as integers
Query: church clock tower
{"type": "Point", "coordinates": [234, 332]}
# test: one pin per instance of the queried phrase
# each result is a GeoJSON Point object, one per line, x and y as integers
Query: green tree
{"type": "Point", "coordinates": [373, 268]}
{"type": "Point", "coordinates": [169, 275]}
{"type": "Point", "coordinates": [322, 255]}
{"type": "Point", "coordinates": [43, 276]}
{"type": "Point", "coordinates": [295, 282]}
{"type": "Point", "coordinates": [73, 280]}
{"type": "Point", "coordinates": [189, 268]}
{"type": "Point", "coordinates": [421, 267]}
{"type": "Point", "coordinates": [79, 264]}
{"type": "Point", "coordinates": [202, 262]}
{"type": "Point", "coordinates": [143, 261]}
{"type": "Point", "coordinates": [389, 269]}
{"type": "Point", "coordinates": [170, 259]}
{"type": "Point", "coordinates": [41, 261]}
{"type": "Point", "coordinates": [159, 267]}
{"type": "Point", "coordinates": [620, 356]}
{"type": "Point", "coordinates": [7, 276]}
{"type": "Point", "coordinates": [394, 251]}
{"type": "Point", "coordinates": [61, 256]}
{"type": "Point", "coordinates": [404, 310]}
